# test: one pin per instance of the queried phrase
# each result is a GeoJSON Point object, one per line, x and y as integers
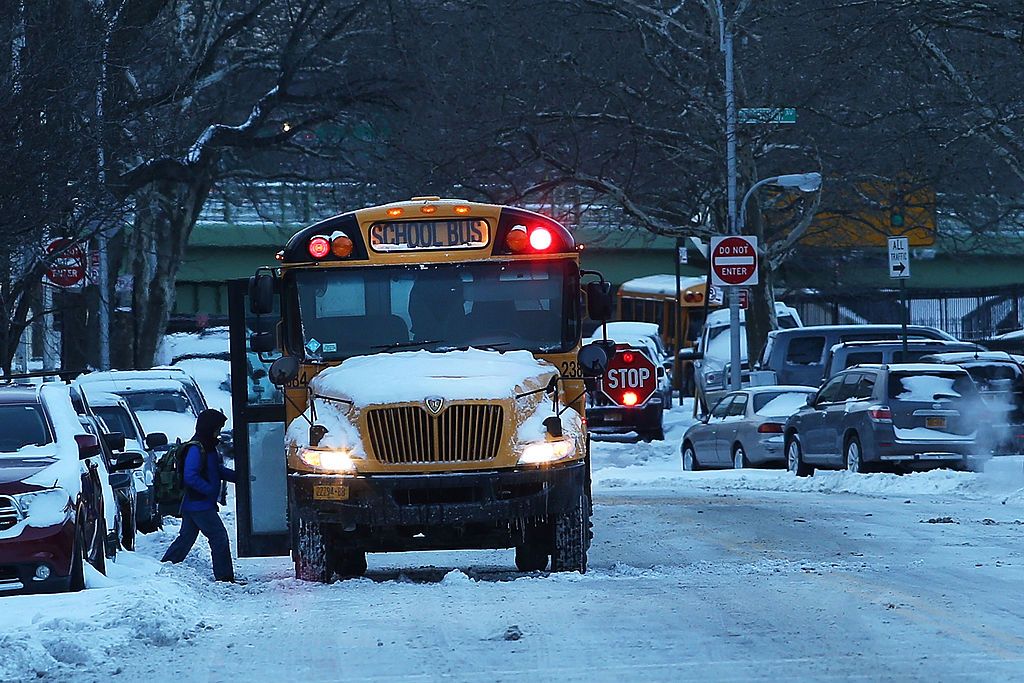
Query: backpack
{"type": "Point", "coordinates": [169, 480]}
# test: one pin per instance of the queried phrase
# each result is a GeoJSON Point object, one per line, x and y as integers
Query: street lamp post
{"type": "Point", "coordinates": [804, 182]}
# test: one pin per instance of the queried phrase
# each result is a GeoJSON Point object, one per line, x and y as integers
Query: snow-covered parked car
{"type": "Point", "coordinates": [55, 496]}
{"type": "Point", "coordinates": [743, 429]}
{"type": "Point", "coordinates": [911, 415]}
{"type": "Point", "coordinates": [118, 416]}
{"type": "Point", "coordinates": [166, 400]}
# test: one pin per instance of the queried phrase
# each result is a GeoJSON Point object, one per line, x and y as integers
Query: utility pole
{"type": "Point", "coordinates": [725, 35]}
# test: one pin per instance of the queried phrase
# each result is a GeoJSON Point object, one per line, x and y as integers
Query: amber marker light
{"type": "Point", "coordinates": [396, 212]}
{"type": "Point", "coordinates": [517, 239]}
{"type": "Point", "coordinates": [429, 208]}
{"type": "Point", "coordinates": [341, 246]}
{"type": "Point", "coordinates": [462, 210]}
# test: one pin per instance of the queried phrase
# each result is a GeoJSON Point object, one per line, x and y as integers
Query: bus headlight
{"type": "Point", "coordinates": [547, 452]}
{"type": "Point", "coordinates": [334, 460]}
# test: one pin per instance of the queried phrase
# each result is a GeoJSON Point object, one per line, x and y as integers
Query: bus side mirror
{"type": "Point", "coordinates": [592, 359]}
{"type": "Point", "coordinates": [261, 294]}
{"type": "Point", "coordinates": [284, 370]}
{"type": "Point", "coordinates": [600, 304]}
{"type": "Point", "coordinates": [262, 342]}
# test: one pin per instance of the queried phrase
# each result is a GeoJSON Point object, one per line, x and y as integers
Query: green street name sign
{"type": "Point", "coordinates": [766, 115]}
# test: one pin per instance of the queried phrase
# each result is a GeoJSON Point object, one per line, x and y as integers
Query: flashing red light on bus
{"type": "Point", "coordinates": [629, 398]}
{"type": "Point", "coordinates": [319, 247]}
{"type": "Point", "coordinates": [540, 238]}
{"type": "Point", "coordinates": [628, 356]}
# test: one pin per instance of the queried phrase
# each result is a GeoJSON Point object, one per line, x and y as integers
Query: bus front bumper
{"type": "Point", "coordinates": [437, 499]}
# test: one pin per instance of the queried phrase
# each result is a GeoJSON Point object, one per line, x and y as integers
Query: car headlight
{"type": "Point", "coordinates": [45, 508]}
{"type": "Point", "coordinates": [333, 460]}
{"type": "Point", "coordinates": [547, 452]}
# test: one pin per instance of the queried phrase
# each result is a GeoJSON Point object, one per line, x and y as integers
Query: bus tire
{"type": "Point", "coordinates": [569, 546]}
{"type": "Point", "coordinates": [311, 563]}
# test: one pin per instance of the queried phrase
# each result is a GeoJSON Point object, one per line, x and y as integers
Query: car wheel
{"type": "Point", "coordinates": [739, 458]}
{"type": "Point", "coordinates": [690, 462]}
{"type": "Point", "coordinates": [795, 460]}
{"type": "Point", "coordinates": [854, 456]}
{"type": "Point", "coordinates": [570, 542]}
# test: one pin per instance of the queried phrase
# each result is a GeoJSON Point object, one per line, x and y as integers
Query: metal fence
{"type": "Point", "coordinates": [966, 314]}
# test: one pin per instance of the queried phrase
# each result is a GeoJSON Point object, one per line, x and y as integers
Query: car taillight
{"type": "Point", "coordinates": [770, 428]}
{"type": "Point", "coordinates": [880, 413]}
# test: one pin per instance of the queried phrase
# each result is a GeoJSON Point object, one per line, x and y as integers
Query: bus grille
{"type": "Point", "coordinates": [408, 435]}
{"type": "Point", "coordinates": [8, 513]}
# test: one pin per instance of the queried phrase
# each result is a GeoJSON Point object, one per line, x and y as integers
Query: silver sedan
{"type": "Point", "coordinates": [744, 428]}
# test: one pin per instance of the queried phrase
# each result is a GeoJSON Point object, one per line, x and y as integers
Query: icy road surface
{"type": "Point", "coordinates": [739, 576]}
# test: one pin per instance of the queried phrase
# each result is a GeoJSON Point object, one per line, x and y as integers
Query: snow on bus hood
{"type": "Point", "coordinates": [413, 376]}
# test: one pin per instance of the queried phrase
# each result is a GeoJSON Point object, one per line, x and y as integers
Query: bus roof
{"type": "Point", "coordinates": [661, 285]}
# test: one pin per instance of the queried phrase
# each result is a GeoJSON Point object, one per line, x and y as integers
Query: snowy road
{"type": "Point", "coordinates": [703, 576]}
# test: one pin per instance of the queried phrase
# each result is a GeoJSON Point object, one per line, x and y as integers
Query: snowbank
{"type": "Point", "coordinates": [139, 604]}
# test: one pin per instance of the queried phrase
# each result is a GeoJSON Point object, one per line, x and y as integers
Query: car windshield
{"type": "Point", "coordinates": [508, 306]}
{"type": "Point", "coordinates": [779, 403]}
{"type": "Point", "coordinates": [167, 401]}
{"type": "Point", "coordinates": [117, 419]}
{"type": "Point", "coordinates": [931, 386]}
{"type": "Point", "coordinates": [23, 425]}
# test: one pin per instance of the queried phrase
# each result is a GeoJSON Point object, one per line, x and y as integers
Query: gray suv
{"type": "Point", "coordinates": [913, 415]}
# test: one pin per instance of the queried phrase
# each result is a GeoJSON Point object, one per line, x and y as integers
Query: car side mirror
{"type": "Point", "coordinates": [284, 370]}
{"type": "Point", "coordinates": [114, 440]}
{"type": "Point", "coordinates": [88, 446]}
{"type": "Point", "coordinates": [593, 359]}
{"type": "Point", "coordinates": [811, 400]}
{"type": "Point", "coordinates": [690, 354]}
{"type": "Point", "coordinates": [261, 293]}
{"type": "Point", "coordinates": [156, 440]}
{"type": "Point", "coordinates": [705, 418]}
{"type": "Point", "coordinates": [600, 304]}
{"type": "Point", "coordinates": [130, 460]}
{"type": "Point", "coordinates": [262, 342]}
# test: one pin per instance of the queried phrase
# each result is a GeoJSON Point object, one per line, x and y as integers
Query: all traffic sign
{"type": "Point", "coordinates": [899, 258]}
{"type": "Point", "coordinates": [630, 379]}
{"type": "Point", "coordinates": [68, 269]}
{"type": "Point", "coordinates": [734, 261]}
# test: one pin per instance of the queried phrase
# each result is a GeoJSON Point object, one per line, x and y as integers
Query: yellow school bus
{"type": "Point", "coordinates": [652, 299]}
{"type": "Point", "coordinates": [434, 384]}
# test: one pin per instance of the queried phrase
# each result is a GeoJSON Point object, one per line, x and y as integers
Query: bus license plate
{"type": "Point", "coordinates": [330, 492]}
{"type": "Point", "coordinates": [935, 422]}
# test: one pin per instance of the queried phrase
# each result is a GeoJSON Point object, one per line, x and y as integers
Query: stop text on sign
{"type": "Point", "coordinates": [734, 261]}
{"type": "Point", "coordinates": [630, 378]}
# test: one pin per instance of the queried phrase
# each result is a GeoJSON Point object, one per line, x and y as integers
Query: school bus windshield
{"type": "Point", "coordinates": [505, 306]}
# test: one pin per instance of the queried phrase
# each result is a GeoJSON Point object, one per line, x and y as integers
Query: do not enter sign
{"type": "Point", "coordinates": [734, 261]}
{"type": "Point", "coordinates": [68, 269]}
{"type": "Point", "coordinates": [631, 378]}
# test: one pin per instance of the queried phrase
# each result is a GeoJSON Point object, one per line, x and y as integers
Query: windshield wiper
{"type": "Point", "coordinates": [402, 344]}
{"type": "Point", "coordinates": [490, 347]}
